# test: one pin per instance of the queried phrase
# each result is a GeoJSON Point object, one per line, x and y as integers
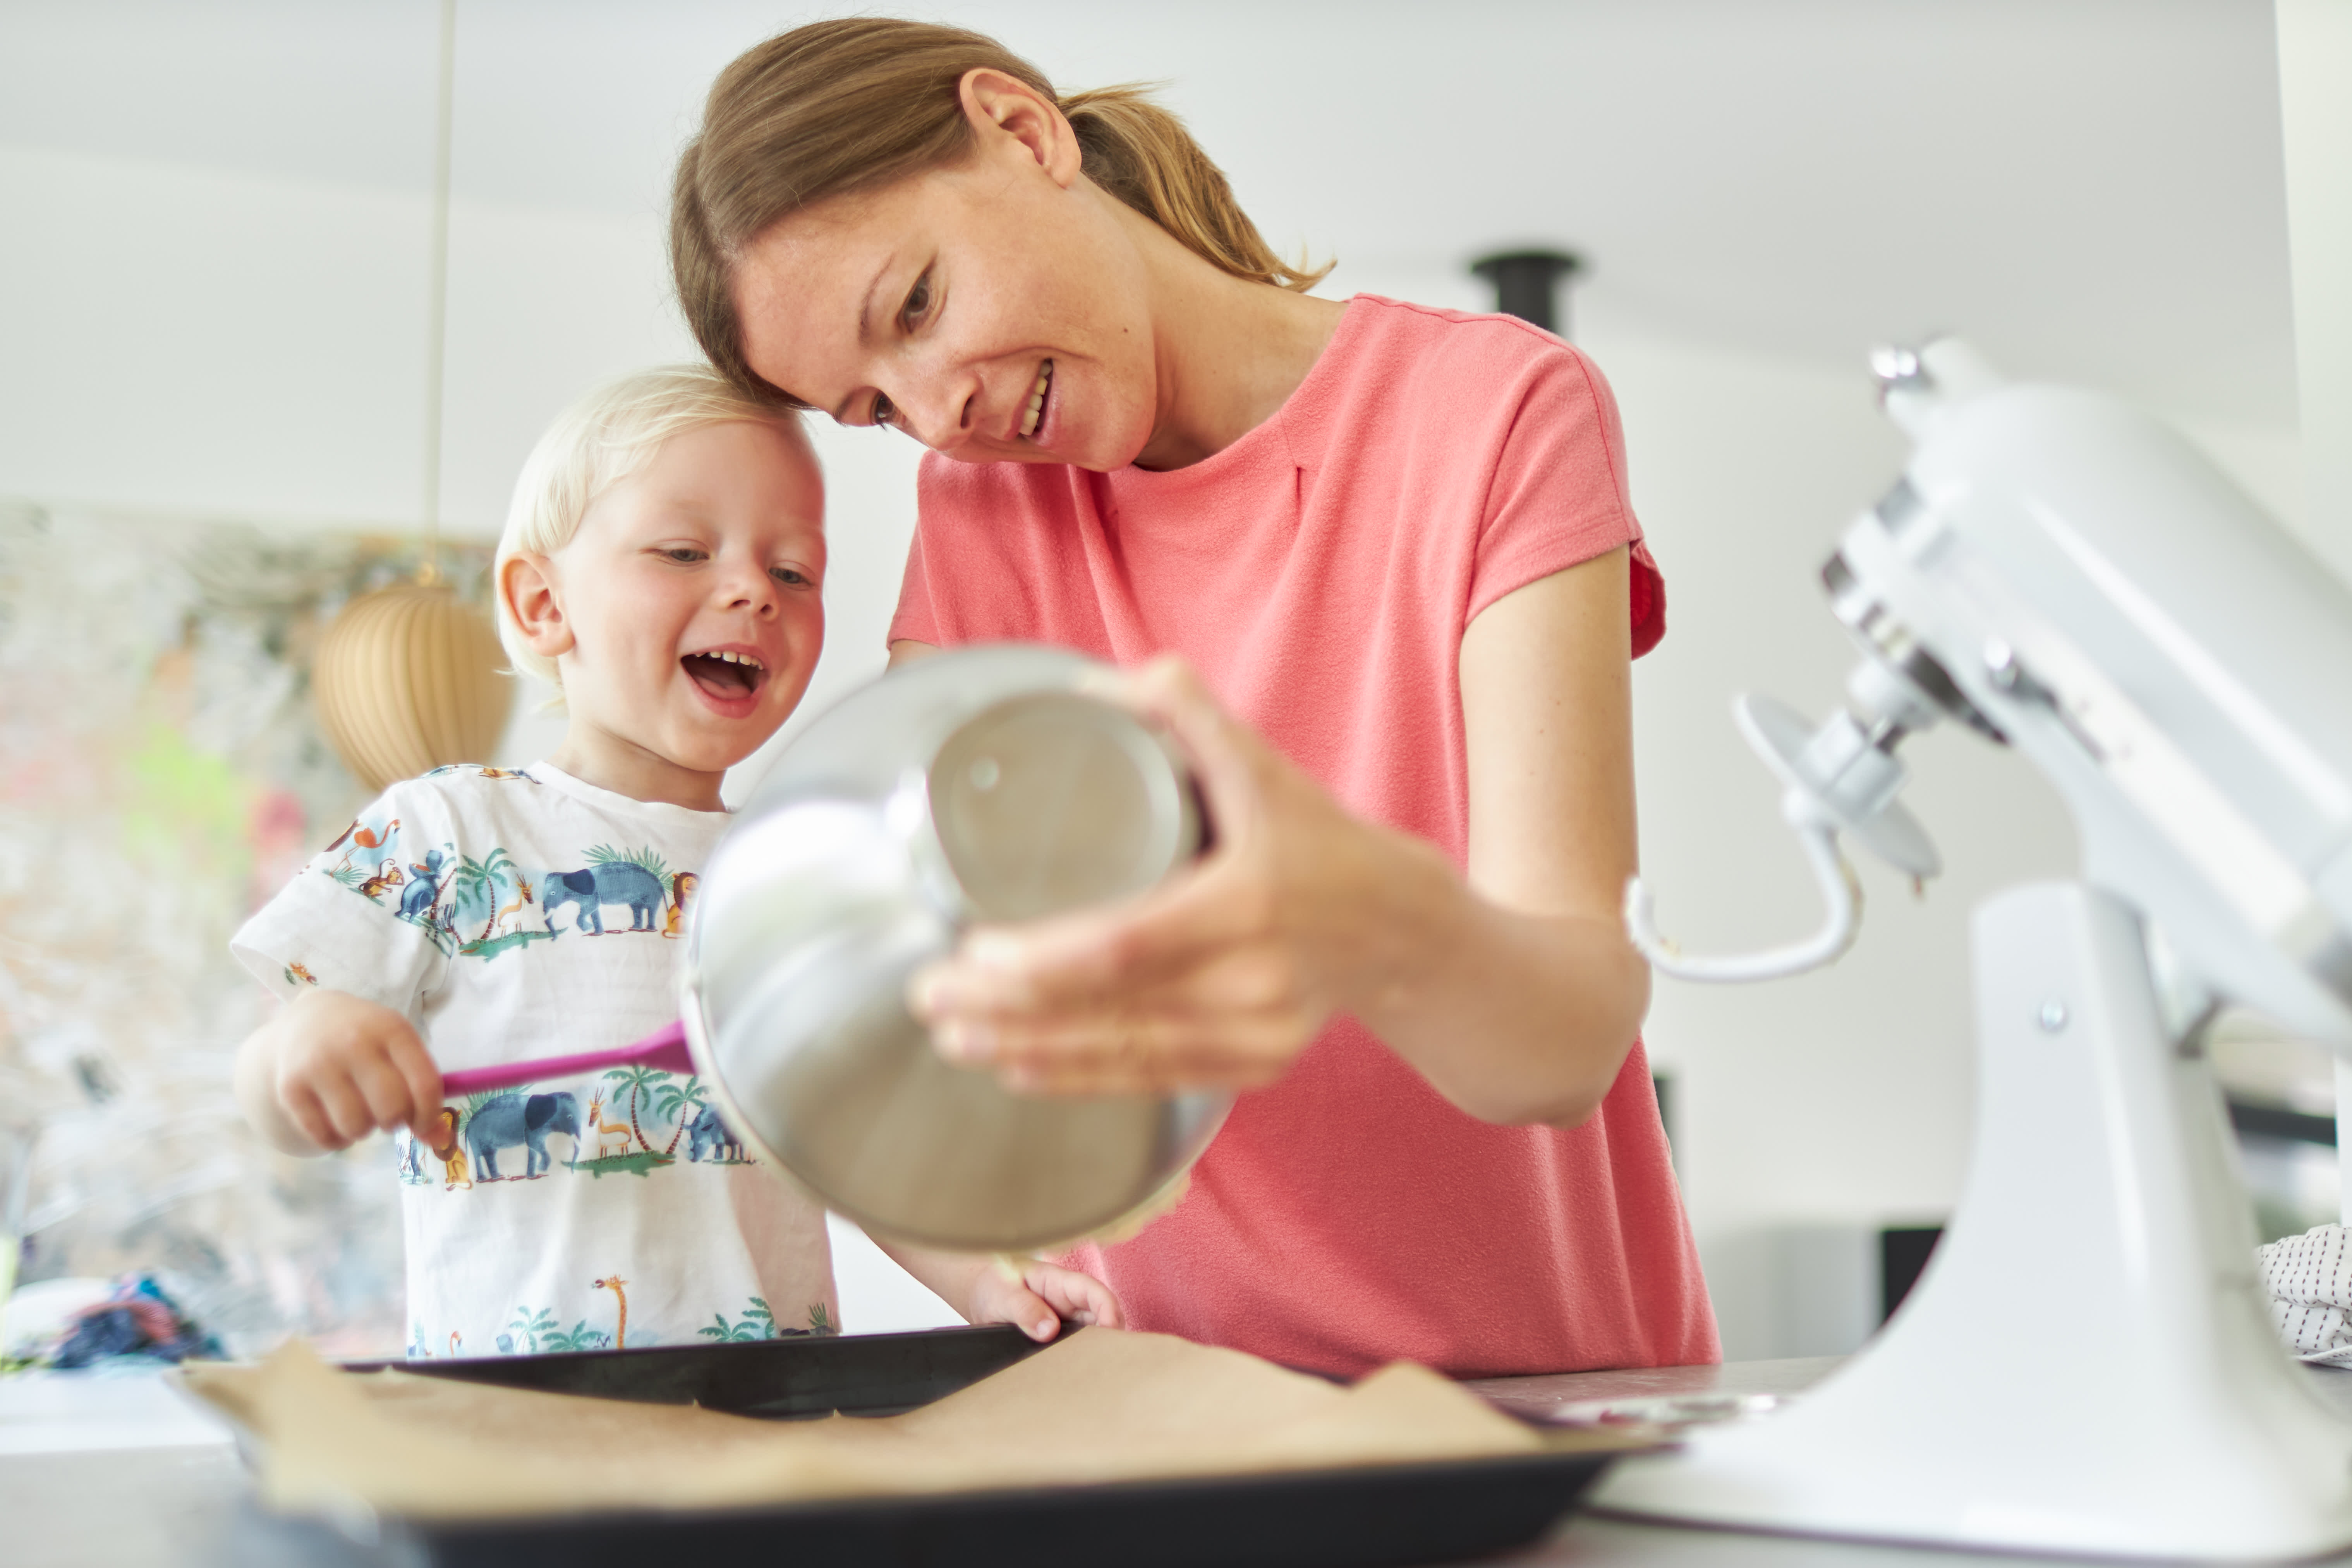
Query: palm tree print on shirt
{"type": "Point", "coordinates": [634, 1080]}
{"type": "Point", "coordinates": [478, 885]}
{"type": "Point", "coordinates": [679, 1102]}
{"type": "Point", "coordinates": [760, 1323]}
{"type": "Point", "coordinates": [528, 1326]}
{"type": "Point", "coordinates": [604, 853]}
{"type": "Point", "coordinates": [535, 1331]}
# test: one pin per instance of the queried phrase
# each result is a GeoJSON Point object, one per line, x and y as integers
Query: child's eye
{"type": "Point", "coordinates": [685, 554]}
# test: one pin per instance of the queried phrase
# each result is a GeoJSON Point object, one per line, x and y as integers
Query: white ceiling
{"type": "Point", "coordinates": [2092, 187]}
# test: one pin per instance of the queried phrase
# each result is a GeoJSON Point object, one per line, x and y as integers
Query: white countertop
{"type": "Point", "coordinates": [131, 1477]}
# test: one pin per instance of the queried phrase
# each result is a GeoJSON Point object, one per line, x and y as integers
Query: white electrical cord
{"type": "Point", "coordinates": [1840, 891]}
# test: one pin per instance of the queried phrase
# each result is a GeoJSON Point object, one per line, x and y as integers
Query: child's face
{"type": "Point", "coordinates": [688, 616]}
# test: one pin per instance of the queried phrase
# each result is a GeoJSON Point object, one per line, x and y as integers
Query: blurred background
{"type": "Point", "coordinates": [214, 279]}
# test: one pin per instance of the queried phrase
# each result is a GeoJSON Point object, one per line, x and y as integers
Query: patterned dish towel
{"type": "Point", "coordinates": [2308, 1280]}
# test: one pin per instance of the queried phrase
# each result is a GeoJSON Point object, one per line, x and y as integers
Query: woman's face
{"type": "Point", "coordinates": [996, 310]}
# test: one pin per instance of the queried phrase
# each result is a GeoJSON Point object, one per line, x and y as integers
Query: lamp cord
{"type": "Point", "coordinates": [437, 297]}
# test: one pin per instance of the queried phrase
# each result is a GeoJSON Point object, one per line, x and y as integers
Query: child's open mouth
{"type": "Point", "coordinates": [726, 675]}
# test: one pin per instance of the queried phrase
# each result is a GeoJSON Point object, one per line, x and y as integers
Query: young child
{"type": "Point", "coordinates": [662, 563]}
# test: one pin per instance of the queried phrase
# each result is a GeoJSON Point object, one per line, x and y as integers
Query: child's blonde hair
{"type": "Point", "coordinates": [595, 444]}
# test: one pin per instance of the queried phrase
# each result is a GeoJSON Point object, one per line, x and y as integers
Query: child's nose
{"type": "Point", "coordinates": [750, 587]}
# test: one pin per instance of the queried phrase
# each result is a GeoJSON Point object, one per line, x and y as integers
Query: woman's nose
{"type": "Point", "coordinates": [941, 410]}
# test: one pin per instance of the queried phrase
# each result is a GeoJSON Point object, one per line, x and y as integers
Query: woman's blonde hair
{"type": "Point", "coordinates": [596, 443]}
{"type": "Point", "coordinates": [858, 103]}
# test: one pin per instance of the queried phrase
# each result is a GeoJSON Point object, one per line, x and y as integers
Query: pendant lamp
{"type": "Point", "coordinates": [1526, 284]}
{"type": "Point", "coordinates": [410, 677]}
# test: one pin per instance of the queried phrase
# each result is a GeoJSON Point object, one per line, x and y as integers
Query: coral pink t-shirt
{"type": "Point", "coordinates": [1320, 573]}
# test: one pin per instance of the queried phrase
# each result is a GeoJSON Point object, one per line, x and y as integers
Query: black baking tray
{"type": "Point", "coordinates": [1372, 1517]}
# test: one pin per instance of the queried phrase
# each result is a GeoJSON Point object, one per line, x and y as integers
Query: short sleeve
{"type": "Point", "coordinates": [1560, 496]}
{"type": "Point", "coordinates": [360, 918]}
{"type": "Point", "coordinates": [916, 619]}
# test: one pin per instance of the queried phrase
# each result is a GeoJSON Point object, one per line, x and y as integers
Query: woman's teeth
{"type": "Point", "coordinates": [1037, 399]}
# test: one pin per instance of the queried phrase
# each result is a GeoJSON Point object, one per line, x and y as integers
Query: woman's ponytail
{"type": "Point", "coordinates": [861, 103]}
{"type": "Point", "coordinates": [1142, 155]}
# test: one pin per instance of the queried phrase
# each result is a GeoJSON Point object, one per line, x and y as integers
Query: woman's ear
{"type": "Point", "coordinates": [1011, 118]}
{"type": "Point", "coordinates": [527, 584]}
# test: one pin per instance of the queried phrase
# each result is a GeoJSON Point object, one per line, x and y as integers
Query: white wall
{"type": "Point", "coordinates": [197, 341]}
{"type": "Point", "coordinates": [2314, 47]}
{"type": "Point", "coordinates": [193, 351]}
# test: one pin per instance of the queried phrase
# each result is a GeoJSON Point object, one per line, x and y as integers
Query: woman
{"type": "Point", "coordinates": [1395, 543]}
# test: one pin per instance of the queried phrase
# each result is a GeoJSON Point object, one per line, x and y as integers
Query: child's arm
{"type": "Point", "coordinates": [330, 1069]}
{"type": "Point", "coordinates": [988, 1289]}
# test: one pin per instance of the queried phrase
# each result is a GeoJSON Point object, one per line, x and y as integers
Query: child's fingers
{"type": "Point", "coordinates": [422, 1076]}
{"type": "Point", "coordinates": [1103, 1310]}
{"type": "Point", "coordinates": [347, 1107]}
{"type": "Point", "coordinates": [1024, 1310]}
{"type": "Point", "coordinates": [302, 1109]}
{"type": "Point", "coordinates": [1081, 1298]}
{"type": "Point", "coordinates": [1002, 1300]}
{"type": "Point", "coordinates": [342, 1114]}
{"type": "Point", "coordinates": [390, 1100]}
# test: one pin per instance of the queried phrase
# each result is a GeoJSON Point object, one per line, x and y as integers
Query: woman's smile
{"type": "Point", "coordinates": [1034, 414]}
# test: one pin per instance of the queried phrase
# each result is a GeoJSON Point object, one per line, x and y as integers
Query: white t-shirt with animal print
{"type": "Point", "coordinates": [520, 913]}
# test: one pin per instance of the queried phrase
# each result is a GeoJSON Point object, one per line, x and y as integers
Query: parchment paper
{"type": "Point", "coordinates": [1101, 1406]}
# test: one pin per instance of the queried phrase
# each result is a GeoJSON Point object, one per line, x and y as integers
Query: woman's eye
{"type": "Point", "coordinates": [919, 299]}
{"type": "Point", "coordinates": [884, 411]}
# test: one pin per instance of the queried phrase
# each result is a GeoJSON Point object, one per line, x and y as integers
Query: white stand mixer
{"type": "Point", "coordinates": [2086, 1365]}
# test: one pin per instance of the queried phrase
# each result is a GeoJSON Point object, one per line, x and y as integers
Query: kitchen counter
{"type": "Point", "coordinates": [98, 1506]}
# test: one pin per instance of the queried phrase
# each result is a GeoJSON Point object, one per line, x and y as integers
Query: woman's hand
{"type": "Point", "coordinates": [1513, 989]}
{"type": "Point", "coordinates": [332, 1068]}
{"type": "Point", "coordinates": [1219, 977]}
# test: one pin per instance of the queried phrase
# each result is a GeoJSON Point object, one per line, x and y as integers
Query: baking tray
{"type": "Point", "coordinates": [797, 1377]}
{"type": "Point", "coordinates": [1372, 1517]}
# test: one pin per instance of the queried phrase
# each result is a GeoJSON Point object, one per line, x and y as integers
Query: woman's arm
{"type": "Point", "coordinates": [1543, 994]}
{"type": "Point", "coordinates": [1512, 991]}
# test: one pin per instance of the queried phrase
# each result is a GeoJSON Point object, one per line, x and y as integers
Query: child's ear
{"type": "Point", "coordinates": [527, 584]}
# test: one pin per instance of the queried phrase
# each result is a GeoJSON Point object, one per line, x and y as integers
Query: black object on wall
{"type": "Point", "coordinates": [1903, 1254]}
{"type": "Point", "coordinates": [1526, 285]}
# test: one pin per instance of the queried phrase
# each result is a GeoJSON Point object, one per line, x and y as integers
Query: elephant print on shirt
{"type": "Point", "coordinates": [506, 1120]}
{"type": "Point", "coordinates": [707, 1137]}
{"type": "Point", "coordinates": [594, 887]}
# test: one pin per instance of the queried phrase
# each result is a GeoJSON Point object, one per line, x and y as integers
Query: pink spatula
{"type": "Point", "coordinates": [663, 1048]}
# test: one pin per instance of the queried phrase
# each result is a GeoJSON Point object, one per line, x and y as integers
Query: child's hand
{"type": "Point", "coordinates": [332, 1069]}
{"type": "Point", "coordinates": [1038, 1301]}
